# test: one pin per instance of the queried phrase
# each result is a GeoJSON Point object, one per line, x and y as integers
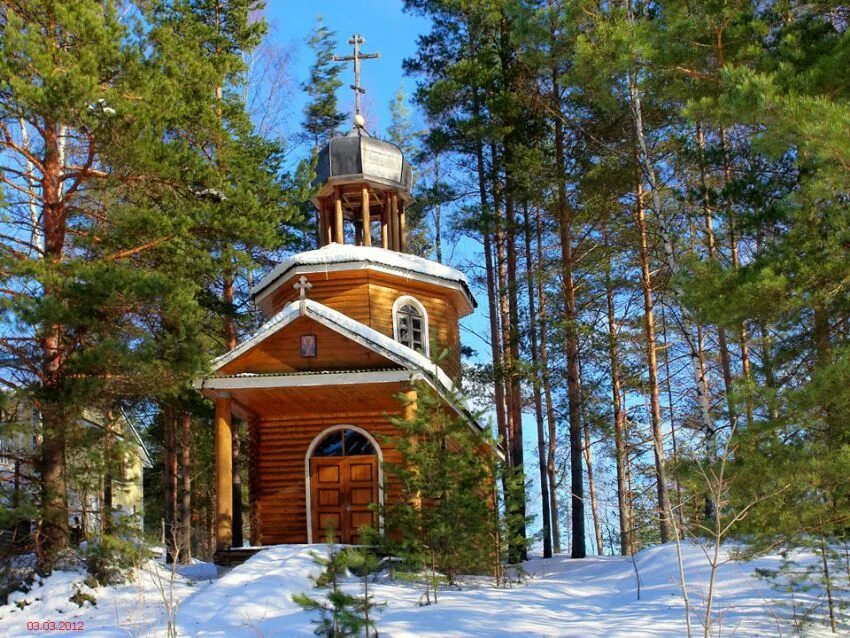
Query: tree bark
{"type": "Point", "coordinates": [237, 489]}
{"type": "Point", "coordinates": [565, 220]}
{"type": "Point", "coordinates": [670, 411]}
{"type": "Point", "coordinates": [108, 468]}
{"type": "Point", "coordinates": [533, 320]}
{"type": "Point", "coordinates": [663, 506]}
{"type": "Point", "coordinates": [186, 476]}
{"type": "Point", "coordinates": [733, 245]}
{"type": "Point", "coordinates": [621, 456]}
{"type": "Point", "coordinates": [579, 549]}
{"type": "Point", "coordinates": [53, 536]}
{"type": "Point", "coordinates": [591, 488]}
{"type": "Point", "coordinates": [169, 423]}
{"type": "Point", "coordinates": [645, 161]}
{"type": "Point", "coordinates": [551, 420]}
{"type": "Point", "coordinates": [711, 247]}
{"type": "Point", "coordinates": [515, 393]}
{"type": "Point", "coordinates": [504, 322]}
{"type": "Point", "coordinates": [495, 341]}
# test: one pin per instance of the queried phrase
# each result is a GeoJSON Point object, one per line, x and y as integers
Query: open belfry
{"type": "Point", "coordinates": [349, 327]}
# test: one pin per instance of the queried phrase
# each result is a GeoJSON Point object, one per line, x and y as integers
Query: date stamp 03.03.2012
{"type": "Point", "coordinates": [55, 625]}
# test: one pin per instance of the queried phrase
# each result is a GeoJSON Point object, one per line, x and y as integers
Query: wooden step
{"type": "Point", "coordinates": [234, 556]}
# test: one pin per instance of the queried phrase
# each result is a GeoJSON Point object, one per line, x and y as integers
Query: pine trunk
{"type": "Point", "coordinates": [186, 476]}
{"type": "Point", "coordinates": [591, 488]}
{"type": "Point", "coordinates": [671, 412]}
{"type": "Point", "coordinates": [504, 322]}
{"type": "Point", "coordinates": [53, 536]}
{"type": "Point", "coordinates": [495, 341]}
{"type": "Point", "coordinates": [547, 395]}
{"type": "Point", "coordinates": [237, 488]}
{"type": "Point", "coordinates": [733, 245]}
{"type": "Point", "coordinates": [515, 394]}
{"type": "Point", "coordinates": [169, 423]}
{"type": "Point", "coordinates": [564, 217]}
{"type": "Point", "coordinates": [646, 163]}
{"type": "Point", "coordinates": [533, 320]}
{"type": "Point", "coordinates": [711, 247]}
{"type": "Point", "coordinates": [663, 507]}
{"type": "Point", "coordinates": [108, 464]}
{"type": "Point", "coordinates": [621, 458]}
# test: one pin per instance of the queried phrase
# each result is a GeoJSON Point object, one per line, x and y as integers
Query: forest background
{"type": "Point", "coordinates": [650, 198]}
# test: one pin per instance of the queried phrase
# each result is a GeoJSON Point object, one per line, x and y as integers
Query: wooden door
{"type": "Point", "coordinates": [342, 490]}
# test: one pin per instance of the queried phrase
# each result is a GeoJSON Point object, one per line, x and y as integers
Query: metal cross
{"type": "Point", "coordinates": [302, 287]}
{"type": "Point", "coordinates": [356, 41]}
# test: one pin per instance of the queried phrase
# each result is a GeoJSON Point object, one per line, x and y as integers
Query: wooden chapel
{"type": "Point", "coordinates": [348, 328]}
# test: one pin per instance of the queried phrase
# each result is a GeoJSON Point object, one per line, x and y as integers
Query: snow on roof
{"type": "Point", "coordinates": [345, 253]}
{"type": "Point", "coordinates": [359, 333]}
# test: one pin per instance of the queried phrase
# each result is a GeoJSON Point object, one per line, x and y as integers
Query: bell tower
{"type": "Point", "coordinates": [348, 328]}
{"type": "Point", "coordinates": [364, 183]}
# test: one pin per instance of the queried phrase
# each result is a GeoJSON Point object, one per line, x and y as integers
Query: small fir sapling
{"type": "Point", "coordinates": [364, 563]}
{"type": "Point", "coordinates": [444, 521]}
{"type": "Point", "coordinates": [341, 614]}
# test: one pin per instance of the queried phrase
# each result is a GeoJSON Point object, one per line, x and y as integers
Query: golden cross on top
{"type": "Point", "coordinates": [356, 41]}
{"type": "Point", "coordinates": [303, 286]}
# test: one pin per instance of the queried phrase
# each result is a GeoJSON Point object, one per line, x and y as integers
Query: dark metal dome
{"type": "Point", "coordinates": [359, 157]}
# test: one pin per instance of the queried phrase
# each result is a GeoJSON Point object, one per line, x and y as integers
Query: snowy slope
{"type": "Point", "coordinates": [562, 597]}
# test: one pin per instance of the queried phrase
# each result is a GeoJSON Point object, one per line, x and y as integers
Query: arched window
{"type": "Point", "coordinates": [410, 324]}
{"type": "Point", "coordinates": [344, 443]}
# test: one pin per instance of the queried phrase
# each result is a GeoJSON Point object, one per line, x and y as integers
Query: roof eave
{"type": "Point", "coordinates": [262, 290]}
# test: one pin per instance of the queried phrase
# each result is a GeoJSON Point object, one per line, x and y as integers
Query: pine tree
{"type": "Point", "coordinates": [342, 614]}
{"type": "Point", "coordinates": [119, 205]}
{"type": "Point", "coordinates": [322, 118]}
{"type": "Point", "coordinates": [443, 520]}
{"type": "Point", "coordinates": [90, 118]}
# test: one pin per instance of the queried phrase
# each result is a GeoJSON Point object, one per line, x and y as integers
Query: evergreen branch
{"type": "Point", "coordinates": [130, 252]}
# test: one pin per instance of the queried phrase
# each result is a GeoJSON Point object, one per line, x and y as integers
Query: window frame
{"type": "Point", "coordinates": [397, 306]}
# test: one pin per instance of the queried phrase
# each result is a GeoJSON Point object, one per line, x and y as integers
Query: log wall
{"type": "Point", "coordinates": [278, 491]}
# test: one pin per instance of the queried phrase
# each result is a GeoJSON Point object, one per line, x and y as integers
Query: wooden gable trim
{"type": "Point", "coordinates": [251, 381]}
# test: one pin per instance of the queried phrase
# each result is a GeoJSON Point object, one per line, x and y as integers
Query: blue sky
{"type": "Point", "coordinates": [387, 30]}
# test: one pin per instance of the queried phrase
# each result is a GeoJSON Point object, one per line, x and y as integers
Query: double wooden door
{"type": "Point", "coordinates": [343, 488]}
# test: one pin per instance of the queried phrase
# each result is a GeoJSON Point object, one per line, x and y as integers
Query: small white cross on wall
{"type": "Point", "coordinates": [302, 287]}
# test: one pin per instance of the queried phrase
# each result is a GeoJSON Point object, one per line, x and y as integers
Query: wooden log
{"type": "Point", "coordinates": [410, 405]}
{"type": "Point", "coordinates": [394, 243]}
{"type": "Point", "coordinates": [329, 230]}
{"type": "Point", "coordinates": [323, 223]}
{"type": "Point", "coordinates": [367, 224]}
{"type": "Point", "coordinates": [402, 230]}
{"type": "Point", "coordinates": [339, 237]}
{"type": "Point", "coordinates": [223, 473]}
{"type": "Point", "coordinates": [385, 216]}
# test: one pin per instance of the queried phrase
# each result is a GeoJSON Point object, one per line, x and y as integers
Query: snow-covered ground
{"type": "Point", "coordinates": [561, 597]}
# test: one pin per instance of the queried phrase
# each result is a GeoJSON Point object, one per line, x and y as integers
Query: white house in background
{"type": "Point", "coordinates": [19, 437]}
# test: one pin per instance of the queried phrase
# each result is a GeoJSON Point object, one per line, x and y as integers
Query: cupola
{"type": "Point", "coordinates": [364, 187]}
{"type": "Point", "coordinates": [363, 183]}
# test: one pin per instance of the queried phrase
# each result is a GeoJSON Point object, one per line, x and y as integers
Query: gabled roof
{"type": "Point", "coordinates": [333, 256]}
{"type": "Point", "coordinates": [398, 353]}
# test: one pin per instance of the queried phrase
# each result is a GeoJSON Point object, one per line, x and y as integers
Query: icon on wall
{"type": "Point", "coordinates": [308, 346]}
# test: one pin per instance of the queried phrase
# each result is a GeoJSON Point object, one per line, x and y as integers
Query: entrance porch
{"type": "Point", "coordinates": [317, 444]}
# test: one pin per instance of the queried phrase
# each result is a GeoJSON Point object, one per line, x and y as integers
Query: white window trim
{"type": "Point", "coordinates": [401, 301]}
{"type": "Point", "coordinates": [313, 444]}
